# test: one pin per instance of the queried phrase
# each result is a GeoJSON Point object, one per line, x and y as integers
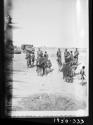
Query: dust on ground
{"type": "Point", "coordinates": [32, 92]}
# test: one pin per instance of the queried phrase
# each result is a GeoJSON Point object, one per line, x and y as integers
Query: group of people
{"type": "Point", "coordinates": [43, 62]}
{"type": "Point", "coordinates": [69, 56]}
{"type": "Point", "coordinates": [70, 64]}
{"type": "Point", "coordinates": [30, 57]}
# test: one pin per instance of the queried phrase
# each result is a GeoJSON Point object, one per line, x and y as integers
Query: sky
{"type": "Point", "coordinates": [52, 23]}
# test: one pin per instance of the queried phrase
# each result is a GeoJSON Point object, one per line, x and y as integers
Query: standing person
{"type": "Point", "coordinates": [38, 60]}
{"type": "Point", "coordinates": [42, 63]}
{"type": "Point", "coordinates": [46, 55]}
{"type": "Point", "coordinates": [45, 62]}
{"type": "Point", "coordinates": [82, 72]}
{"type": "Point", "coordinates": [71, 56]}
{"type": "Point", "coordinates": [59, 58]}
{"type": "Point", "coordinates": [76, 53]}
{"type": "Point", "coordinates": [66, 55]}
{"type": "Point", "coordinates": [28, 58]}
{"type": "Point", "coordinates": [39, 53]}
{"type": "Point", "coordinates": [32, 59]}
{"type": "Point", "coordinates": [59, 53]}
{"type": "Point", "coordinates": [43, 66]}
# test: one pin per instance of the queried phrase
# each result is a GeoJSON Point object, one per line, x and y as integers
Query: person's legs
{"type": "Point", "coordinates": [43, 70]}
{"type": "Point", "coordinates": [43, 67]}
{"type": "Point", "coordinates": [63, 75]}
{"type": "Point", "coordinates": [33, 62]}
{"type": "Point", "coordinates": [38, 70]}
{"type": "Point", "coordinates": [81, 76]}
{"type": "Point", "coordinates": [27, 63]}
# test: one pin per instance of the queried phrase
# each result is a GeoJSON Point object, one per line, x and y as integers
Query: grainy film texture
{"type": "Point", "coordinates": [50, 57]}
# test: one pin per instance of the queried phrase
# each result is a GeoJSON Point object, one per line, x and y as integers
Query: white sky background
{"type": "Point", "coordinates": [54, 23]}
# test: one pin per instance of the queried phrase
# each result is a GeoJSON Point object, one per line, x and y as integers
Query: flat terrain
{"type": "Point", "coordinates": [50, 93]}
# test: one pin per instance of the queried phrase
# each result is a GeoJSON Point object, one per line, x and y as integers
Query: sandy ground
{"type": "Point", "coordinates": [50, 92]}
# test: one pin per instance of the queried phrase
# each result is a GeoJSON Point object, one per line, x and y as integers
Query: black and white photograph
{"type": "Point", "coordinates": [49, 40]}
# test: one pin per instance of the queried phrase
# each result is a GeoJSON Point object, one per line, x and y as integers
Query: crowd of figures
{"type": "Point", "coordinates": [70, 64]}
{"type": "Point", "coordinates": [42, 62]}
{"type": "Point", "coordinates": [44, 66]}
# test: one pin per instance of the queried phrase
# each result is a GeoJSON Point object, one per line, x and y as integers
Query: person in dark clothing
{"type": "Point", "coordinates": [42, 63]}
{"type": "Point", "coordinates": [66, 56]}
{"type": "Point", "coordinates": [32, 59]}
{"type": "Point", "coordinates": [28, 58]}
{"type": "Point", "coordinates": [65, 53]}
{"type": "Point", "coordinates": [59, 59]}
{"type": "Point", "coordinates": [67, 72]}
{"type": "Point", "coordinates": [82, 72]}
{"type": "Point", "coordinates": [76, 53]}
{"type": "Point", "coordinates": [46, 55]}
{"type": "Point", "coordinates": [59, 53]}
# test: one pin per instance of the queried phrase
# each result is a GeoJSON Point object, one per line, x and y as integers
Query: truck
{"type": "Point", "coordinates": [17, 50]}
{"type": "Point", "coordinates": [27, 48]}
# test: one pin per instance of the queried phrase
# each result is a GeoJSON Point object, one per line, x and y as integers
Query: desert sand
{"type": "Point", "coordinates": [47, 93]}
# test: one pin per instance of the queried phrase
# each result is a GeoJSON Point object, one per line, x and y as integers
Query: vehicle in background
{"type": "Point", "coordinates": [27, 48]}
{"type": "Point", "coordinates": [17, 50]}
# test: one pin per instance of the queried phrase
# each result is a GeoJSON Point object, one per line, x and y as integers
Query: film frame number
{"type": "Point", "coordinates": [67, 121]}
